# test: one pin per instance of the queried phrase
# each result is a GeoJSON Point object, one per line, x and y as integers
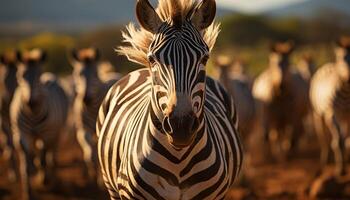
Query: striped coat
{"type": "Point", "coordinates": [330, 99]}
{"type": "Point", "coordinates": [8, 84]}
{"type": "Point", "coordinates": [91, 83]}
{"type": "Point", "coordinates": [239, 86]}
{"type": "Point", "coordinates": [38, 112]}
{"type": "Point", "coordinates": [168, 131]}
{"type": "Point", "coordinates": [138, 162]}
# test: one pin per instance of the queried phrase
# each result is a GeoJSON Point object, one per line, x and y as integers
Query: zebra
{"type": "Point", "coordinates": [330, 100]}
{"type": "Point", "coordinates": [283, 98]}
{"type": "Point", "coordinates": [306, 67]}
{"type": "Point", "coordinates": [8, 70]}
{"type": "Point", "coordinates": [168, 131]}
{"type": "Point", "coordinates": [90, 88]}
{"type": "Point", "coordinates": [237, 83]}
{"type": "Point", "coordinates": [38, 113]}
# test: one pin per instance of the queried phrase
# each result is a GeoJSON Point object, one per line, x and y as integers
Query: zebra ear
{"type": "Point", "coordinates": [19, 56]}
{"type": "Point", "coordinates": [74, 55]}
{"type": "Point", "coordinates": [272, 47]}
{"type": "Point", "coordinates": [147, 16]}
{"type": "Point", "coordinates": [2, 59]}
{"type": "Point", "coordinates": [43, 56]}
{"type": "Point", "coordinates": [97, 54]}
{"type": "Point", "coordinates": [203, 14]}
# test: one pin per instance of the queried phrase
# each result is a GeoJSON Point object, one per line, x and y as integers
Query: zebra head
{"type": "Point", "coordinates": [177, 57]}
{"type": "Point", "coordinates": [28, 76]}
{"type": "Point", "coordinates": [342, 50]}
{"type": "Point", "coordinates": [85, 74]}
{"type": "Point", "coordinates": [9, 61]}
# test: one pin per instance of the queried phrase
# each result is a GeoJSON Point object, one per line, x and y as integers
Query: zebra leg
{"type": "Point", "coordinates": [85, 142]}
{"type": "Point", "coordinates": [337, 144]}
{"type": "Point", "coordinates": [8, 156]}
{"type": "Point", "coordinates": [10, 159]}
{"type": "Point", "coordinates": [297, 132]}
{"type": "Point", "coordinates": [23, 169]}
{"type": "Point", "coordinates": [266, 129]}
{"type": "Point", "coordinates": [319, 126]}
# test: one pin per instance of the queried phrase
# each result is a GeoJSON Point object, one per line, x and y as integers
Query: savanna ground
{"type": "Point", "coordinates": [263, 180]}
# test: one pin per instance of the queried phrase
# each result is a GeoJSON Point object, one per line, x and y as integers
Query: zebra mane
{"type": "Point", "coordinates": [138, 39]}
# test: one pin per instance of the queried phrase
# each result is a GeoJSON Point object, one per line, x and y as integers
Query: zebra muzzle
{"type": "Point", "coordinates": [181, 130]}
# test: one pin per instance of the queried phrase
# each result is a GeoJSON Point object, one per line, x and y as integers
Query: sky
{"type": "Point", "coordinates": [255, 6]}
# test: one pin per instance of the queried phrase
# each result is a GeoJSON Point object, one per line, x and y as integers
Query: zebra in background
{"type": "Point", "coordinates": [168, 131]}
{"type": "Point", "coordinates": [237, 83]}
{"type": "Point", "coordinates": [330, 99]}
{"type": "Point", "coordinates": [8, 84]}
{"type": "Point", "coordinates": [283, 95]}
{"type": "Point", "coordinates": [91, 87]}
{"type": "Point", "coordinates": [38, 113]}
{"type": "Point", "coordinates": [306, 67]}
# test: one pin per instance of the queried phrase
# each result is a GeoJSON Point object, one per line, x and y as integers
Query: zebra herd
{"type": "Point", "coordinates": [168, 131]}
{"type": "Point", "coordinates": [34, 111]}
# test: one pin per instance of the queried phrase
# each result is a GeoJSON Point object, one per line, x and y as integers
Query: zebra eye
{"type": "Point", "coordinates": [205, 60]}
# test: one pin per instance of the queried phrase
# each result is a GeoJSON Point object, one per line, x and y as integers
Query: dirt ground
{"type": "Point", "coordinates": [265, 180]}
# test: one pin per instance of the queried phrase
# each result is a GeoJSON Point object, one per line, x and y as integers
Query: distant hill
{"type": "Point", "coordinates": [66, 15]}
{"type": "Point", "coordinates": [311, 8]}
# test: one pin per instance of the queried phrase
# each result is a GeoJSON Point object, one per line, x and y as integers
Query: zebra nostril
{"type": "Point", "coordinates": [167, 126]}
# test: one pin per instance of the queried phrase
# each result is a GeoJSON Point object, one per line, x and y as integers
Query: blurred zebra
{"type": "Point", "coordinates": [91, 86]}
{"type": "Point", "coordinates": [168, 131]}
{"type": "Point", "coordinates": [283, 95]}
{"type": "Point", "coordinates": [330, 99]}
{"type": "Point", "coordinates": [306, 67]}
{"type": "Point", "coordinates": [8, 82]}
{"type": "Point", "coordinates": [234, 79]}
{"type": "Point", "coordinates": [38, 113]}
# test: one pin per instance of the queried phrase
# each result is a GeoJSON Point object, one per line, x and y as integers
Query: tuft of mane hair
{"type": "Point", "coordinates": [138, 39]}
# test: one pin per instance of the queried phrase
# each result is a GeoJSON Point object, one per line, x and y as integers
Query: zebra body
{"type": "Point", "coordinates": [330, 99]}
{"type": "Point", "coordinates": [281, 90]}
{"type": "Point", "coordinates": [169, 131]}
{"type": "Point", "coordinates": [91, 86]}
{"type": "Point", "coordinates": [38, 113]}
{"type": "Point", "coordinates": [8, 84]}
{"type": "Point", "coordinates": [239, 86]}
{"type": "Point", "coordinates": [138, 162]}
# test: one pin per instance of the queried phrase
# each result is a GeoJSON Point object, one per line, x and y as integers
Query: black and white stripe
{"type": "Point", "coordinates": [8, 82]}
{"type": "Point", "coordinates": [38, 113]}
{"type": "Point", "coordinates": [90, 91]}
{"type": "Point", "coordinates": [169, 132]}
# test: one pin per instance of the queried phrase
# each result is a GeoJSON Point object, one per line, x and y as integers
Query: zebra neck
{"type": "Point", "coordinates": [11, 81]}
{"type": "Point", "coordinates": [343, 70]}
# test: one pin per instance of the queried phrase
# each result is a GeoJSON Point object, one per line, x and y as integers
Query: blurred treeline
{"type": "Point", "coordinates": [243, 37]}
